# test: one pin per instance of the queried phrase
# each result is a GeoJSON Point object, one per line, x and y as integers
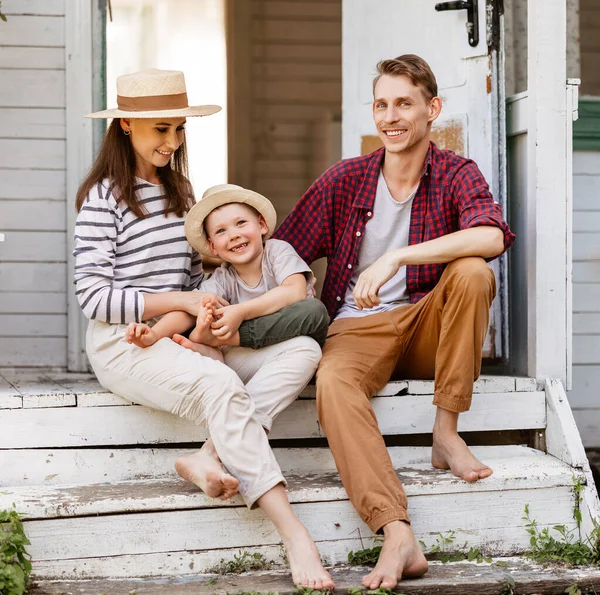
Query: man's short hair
{"type": "Point", "coordinates": [413, 67]}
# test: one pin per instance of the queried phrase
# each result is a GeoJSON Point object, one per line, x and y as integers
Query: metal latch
{"type": "Point", "coordinates": [472, 17]}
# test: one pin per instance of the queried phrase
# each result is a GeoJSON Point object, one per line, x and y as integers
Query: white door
{"type": "Point", "coordinates": [470, 123]}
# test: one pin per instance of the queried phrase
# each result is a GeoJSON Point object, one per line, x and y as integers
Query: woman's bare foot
{"type": "Point", "coordinates": [450, 451]}
{"type": "Point", "coordinates": [205, 350]}
{"type": "Point", "coordinates": [304, 559]}
{"type": "Point", "coordinates": [205, 470]}
{"type": "Point", "coordinates": [400, 557]}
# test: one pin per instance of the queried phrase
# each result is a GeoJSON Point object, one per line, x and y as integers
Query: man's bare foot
{"type": "Point", "coordinates": [304, 559]}
{"type": "Point", "coordinates": [205, 470]}
{"type": "Point", "coordinates": [204, 350]}
{"type": "Point", "coordinates": [450, 451]}
{"type": "Point", "coordinates": [400, 557]}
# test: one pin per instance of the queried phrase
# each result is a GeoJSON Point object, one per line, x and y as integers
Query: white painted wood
{"type": "Point", "coordinates": [34, 215]}
{"type": "Point", "coordinates": [586, 163]}
{"type": "Point", "coordinates": [586, 349]}
{"type": "Point", "coordinates": [586, 221]}
{"type": "Point", "coordinates": [34, 7]}
{"type": "Point", "coordinates": [10, 401]}
{"type": "Point", "coordinates": [79, 40]}
{"type": "Point", "coordinates": [47, 31]}
{"type": "Point", "coordinates": [24, 303]}
{"type": "Point", "coordinates": [26, 276]}
{"type": "Point", "coordinates": [82, 466]}
{"type": "Point", "coordinates": [33, 88]}
{"type": "Point", "coordinates": [485, 384]}
{"type": "Point", "coordinates": [35, 58]}
{"type": "Point", "coordinates": [33, 325]}
{"type": "Point", "coordinates": [46, 401]}
{"type": "Point", "coordinates": [586, 388]}
{"type": "Point", "coordinates": [525, 384]}
{"type": "Point", "coordinates": [178, 531]}
{"type": "Point", "coordinates": [588, 422]}
{"type": "Point", "coordinates": [32, 184]}
{"type": "Point", "coordinates": [41, 246]}
{"type": "Point", "coordinates": [33, 153]}
{"type": "Point", "coordinates": [586, 297]}
{"type": "Point", "coordinates": [585, 272]}
{"type": "Point", "coordinates": [587, 245]}
{"type": "Point", "coordinates": [587, 191]}
{"type": "Point", "coordinates": [563, 442]}
{"type": "Point", "coordinates": [33, 351]}
{"type": "Point", "coordinates": [32, 123]}
{"type": "Point", "coordinates": [547, 144]}
{"type": "Point", "coordinates": [410, 414]}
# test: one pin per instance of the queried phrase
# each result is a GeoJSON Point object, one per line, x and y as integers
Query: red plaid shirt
{"type": "Point", "coordinates": [329, 220]}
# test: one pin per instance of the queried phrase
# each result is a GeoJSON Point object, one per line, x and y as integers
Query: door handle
{"type": "Point", "coordinates": [472, 17]}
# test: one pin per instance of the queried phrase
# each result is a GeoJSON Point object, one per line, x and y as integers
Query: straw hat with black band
{"type": "Point", "coordinates": [220, 195]}
{"type": "Point", "coordinates": [154, 93]}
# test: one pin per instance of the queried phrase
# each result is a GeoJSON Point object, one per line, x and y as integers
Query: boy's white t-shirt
{"type": "Point", "coordinates": [279, 261]}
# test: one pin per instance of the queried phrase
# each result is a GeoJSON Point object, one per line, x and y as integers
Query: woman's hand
{"type": "Point", "coordinates": [228, 321]}
{"type": "Point", "coordinates": [372, 279]}
{"type": "Point", "coordinates": [191, 301]}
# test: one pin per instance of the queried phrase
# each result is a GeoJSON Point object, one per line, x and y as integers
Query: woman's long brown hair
{"type": "Point", "coordinates": [116, 161]}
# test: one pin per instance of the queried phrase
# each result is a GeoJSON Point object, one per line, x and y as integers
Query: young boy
{"type": "Point", "coordinates": [258, 276]}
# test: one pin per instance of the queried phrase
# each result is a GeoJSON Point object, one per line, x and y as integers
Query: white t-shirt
{"type": "Point", "coordinates": [279, 261]}
{"type": "Point", "coordinates": [386, 230]}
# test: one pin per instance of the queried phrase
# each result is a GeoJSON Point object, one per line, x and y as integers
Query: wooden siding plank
{"type": "Point", "coordinates": [586, 297]}
{"type": "Point", "coordinates": [586, 192]}
{"type": "Point", "coordinates": [32, 184]}
{"type": "Point", "coordinates": [32, 88]}
{"type": "Point", "coordinates": [585, 323]}
{"type": "Point", "coordinates": [40, 302]}
{"type": "Point", "coordinates": [586, 162]}
{"type": "Point", "coordinates": [586, 349]}
{"type": "Point", "coordinates": [586, 246]}
{"type": "Point", "coordinates": [308, 71]}
{"type": "Point", "coordinates": [586, 221]}
{"type": "Point", "coordinates": [586, 272]}
{"type": "Point", "coordinates": [38, 246]}
{"type": "Point", "coordinates": [588, 422]}
{"type": "Point", "coordinates": [33, 276]}
{"type": "Point", "coordinates": [33, 351]}
{"type": "Point", "coordinates": [280, 168]}
{"type": "Point", "coordinates": [33, 153]}
{"type": "Point", "coordinates": [409, 414]}
{"type": "Point", "coordinates": [586, 387]}
{"type": "Point", "coordinates": [46, 31]}
{"type": "Point", "coordinates": [270, 147]}
{"type": "Point", "coordinates": [32, 123]}
{"type": "Point", "coordinates": [313, 32]}
{"type": "Point", "coordinates": [33, 325]}
{"type": "Point", "coordinates": [281, 52]}
{"type": "Point", "coordinates": [316, 93]}
{"type": "Point", "coordinates": [281, 130]}
{"type": "Point", "coordinates": [26, 58]}
{"type": "Point", "coordinates": [47, 215]}
{"type": "Point", "coordinates": [34, 7]}
{"type": "Point", "coordinates": [297, 10]}
{"type": "Point", "coordinates": [300, 113]}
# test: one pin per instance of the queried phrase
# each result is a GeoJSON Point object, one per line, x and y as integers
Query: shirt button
{"type": "Point", "coordinates": [338, 298]}
{"type": "Point", "coordinates": [349, 266]}
{"type": "Point", "coordinates": [369, 214]}
{"type": "Point", "coordinates": [358, 234]}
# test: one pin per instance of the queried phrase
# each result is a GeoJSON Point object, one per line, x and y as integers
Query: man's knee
{"type": "Point", "coordinates": [475, 273]}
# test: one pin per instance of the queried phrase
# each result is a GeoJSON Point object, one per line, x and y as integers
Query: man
{"type": "Point", "coordinates": [405, 230]}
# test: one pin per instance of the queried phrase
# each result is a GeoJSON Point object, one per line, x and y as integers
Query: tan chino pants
{"type": "Point", "coordinates": [440, 337]}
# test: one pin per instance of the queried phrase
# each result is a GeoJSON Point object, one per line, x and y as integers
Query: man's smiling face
{"type": "Point", "coordinates": [402, 113]}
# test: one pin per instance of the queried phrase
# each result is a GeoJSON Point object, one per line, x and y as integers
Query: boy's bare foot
{"type": "Point", "coordinates": [140, 334]}
{"type": "Point", "coordinates": [204, 350]}
{"type": "Point", "coordinates": [304, 559]}
{"type": "Point", "coordinates": [206, 316]}
{"type": "Point", "coordinates": [400, 557]}
{"type": "Point", "coordinates": [450, 451]}
{"type": "Point", "coordinates": [205, 470]}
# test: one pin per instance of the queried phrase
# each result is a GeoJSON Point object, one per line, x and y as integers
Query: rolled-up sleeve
{"type": "Point", "coordinates": [96, 233]}
{"type": "Point", "coordinates": [474, 202]}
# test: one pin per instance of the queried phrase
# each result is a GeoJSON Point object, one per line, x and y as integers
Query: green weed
{"type": "Point", "coordinates": [509, 587]}
{"type": "Point", "coordinates": [440, 550]}
{"type": "Point", "coordinates": [242, 562]}
{"type": "Point", "coordinates": [15, 562]}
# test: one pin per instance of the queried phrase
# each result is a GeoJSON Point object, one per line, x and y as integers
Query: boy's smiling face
{"type": "Point", "coordinates": [235, 233]}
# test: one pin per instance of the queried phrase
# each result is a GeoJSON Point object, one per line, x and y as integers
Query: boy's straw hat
{"type": "Point", "coordinates": [153, 93]}
{"type": "Point", "coordinates": [220, 195]}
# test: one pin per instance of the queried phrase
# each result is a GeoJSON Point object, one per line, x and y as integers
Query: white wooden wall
{"type": "Point", "coordinates": [585, 396]}
{"type": "Point", "coordinates": [33, 275]}
{"type": "Point", "coordinates": [296, 90]}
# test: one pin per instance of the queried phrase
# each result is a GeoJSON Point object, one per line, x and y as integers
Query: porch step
{"type": "Point", "coordinates": [162, 526]}
{"type": "Point", "coordinates": [455, 578]}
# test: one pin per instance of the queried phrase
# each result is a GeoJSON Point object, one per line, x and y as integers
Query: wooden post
{"type": "Point", "coordinates": [79, 101]}
{"type": "Point", "coordinates": [547, 237]}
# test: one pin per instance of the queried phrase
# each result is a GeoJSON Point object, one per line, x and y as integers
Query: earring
{"type": "Point", "coordinates": [126, 132]}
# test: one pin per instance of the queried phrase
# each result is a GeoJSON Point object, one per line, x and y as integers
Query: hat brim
{"type": "Point", "coordinates": [184, 112]}
{"type": "Point", "coordinates": [194, 221]}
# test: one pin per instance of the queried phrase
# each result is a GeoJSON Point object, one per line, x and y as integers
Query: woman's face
{"type": "Point", "coordinates": [154, 141]}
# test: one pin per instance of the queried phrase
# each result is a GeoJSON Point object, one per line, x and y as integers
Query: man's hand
{"type": "Point", "coordinates": [371, 280]}
{"type": "Point", "coordinates": [228, 321]}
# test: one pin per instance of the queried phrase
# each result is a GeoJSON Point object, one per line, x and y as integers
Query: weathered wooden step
{"type": "Point", "coordinates": [455, 578]}
{"type": "Point", "coordinates": [165, 527]}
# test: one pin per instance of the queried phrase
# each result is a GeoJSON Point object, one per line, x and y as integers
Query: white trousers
{"type": "Point", "coordinates": [237, 401]}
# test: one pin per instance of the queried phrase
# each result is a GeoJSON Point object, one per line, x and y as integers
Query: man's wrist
{"type": "Point", "coordinates": [396, 257]}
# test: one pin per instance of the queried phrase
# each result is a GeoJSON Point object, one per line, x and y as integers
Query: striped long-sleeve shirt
{"type": "Point", "coordinates": [119, 257]}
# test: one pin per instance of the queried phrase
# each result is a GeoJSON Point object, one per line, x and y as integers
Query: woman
{"type": "Point", "coordinates": [133, 264]}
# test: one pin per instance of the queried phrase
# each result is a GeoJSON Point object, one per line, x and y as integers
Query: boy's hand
{"type": "Point", "coordinates": [228, 321]}
{"type": "Point", "coordinates": [140, 334]}
{"type": "Point", "coordinates": [192, 300]}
